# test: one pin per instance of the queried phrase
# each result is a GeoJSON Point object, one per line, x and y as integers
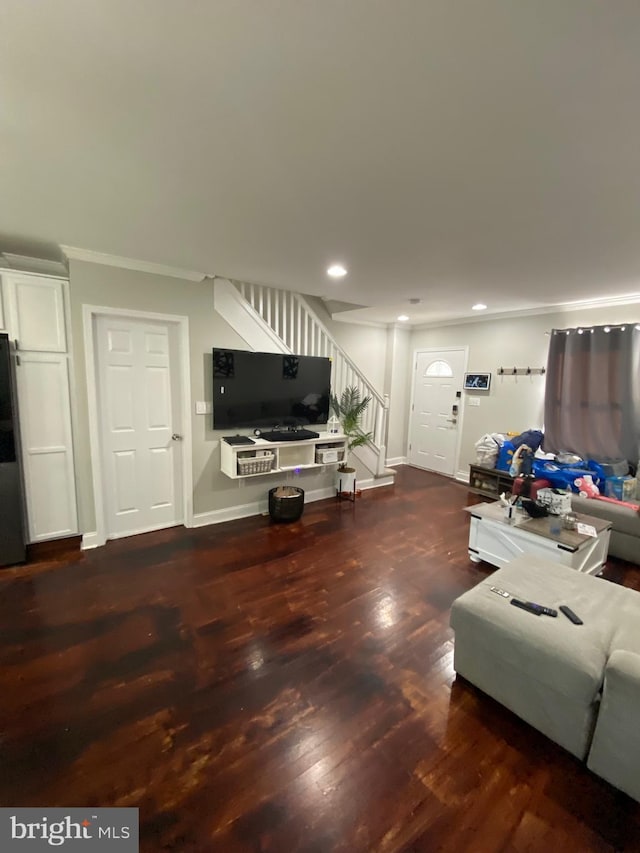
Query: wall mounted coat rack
{"type": "Point", "coordinates": [521, 371]}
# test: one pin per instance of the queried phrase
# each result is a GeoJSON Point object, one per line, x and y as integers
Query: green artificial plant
{"type": "Point", "coordinates": [349, 409]}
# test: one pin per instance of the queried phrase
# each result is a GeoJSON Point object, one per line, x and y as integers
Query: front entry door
{"type": "Point", "coordinates": [138, 405]}
{"type": "Point", "coordinates": [434, 423]}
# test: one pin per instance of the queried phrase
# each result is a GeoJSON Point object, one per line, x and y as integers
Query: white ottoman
{"type": "Point", "coordinates": [546, 670]}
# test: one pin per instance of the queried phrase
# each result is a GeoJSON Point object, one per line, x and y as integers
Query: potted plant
{"type": "Point", "coordinates": [350, 408]}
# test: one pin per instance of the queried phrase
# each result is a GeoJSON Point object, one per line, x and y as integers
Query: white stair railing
{"type": "Point", "coordinates": [294, 321]}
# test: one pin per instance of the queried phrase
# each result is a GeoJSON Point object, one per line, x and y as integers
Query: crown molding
{"type": "Point", "coordinates": [30, 273]}
{"type": "Point", "coordinates": [74, 253]}
{"type": "Point", "coordinates": [560, 308]}
{"type": "Point", "coordinates": [603, 302]}
{"type": "Point", "coordinates": [49, 267]}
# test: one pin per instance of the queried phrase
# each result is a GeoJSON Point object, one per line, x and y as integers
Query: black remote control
{"type": "Point", "coordinates": [546, 611]}
{"type": "Point", "coordinates": [571, 616]}
{"type": "Point", "coordinates": [532, 607]}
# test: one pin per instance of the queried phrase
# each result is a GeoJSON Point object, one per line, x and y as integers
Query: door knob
{"type": "Point", "coordinates": [176, 437]}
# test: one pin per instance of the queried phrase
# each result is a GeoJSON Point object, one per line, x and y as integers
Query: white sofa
{"type": "Point", "coordinates": [578, 684]}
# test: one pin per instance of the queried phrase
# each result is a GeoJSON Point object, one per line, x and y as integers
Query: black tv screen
{"type": "Point", "coordinates": [266, 389]}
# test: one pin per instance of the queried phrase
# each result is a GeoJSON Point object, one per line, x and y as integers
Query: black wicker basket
{"type": "Point", "coordinates": [288, 507]}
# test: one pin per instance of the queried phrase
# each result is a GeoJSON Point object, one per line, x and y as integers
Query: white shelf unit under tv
{"type": "Point", "coordinates": [286, 455]}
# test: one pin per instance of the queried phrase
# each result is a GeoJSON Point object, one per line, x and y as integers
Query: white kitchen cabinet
{"type": "Point", "coordinates": [34, 318]}
{"type": "Point", "coordinates": [35, 312]}
{"type": "Point", "coordinates": [47, 444]}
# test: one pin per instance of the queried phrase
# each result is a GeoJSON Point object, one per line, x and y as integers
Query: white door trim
{"type": "Point", "coordinates": [426, 350]}
{"type": "Point", "coordinates": [90, 313]}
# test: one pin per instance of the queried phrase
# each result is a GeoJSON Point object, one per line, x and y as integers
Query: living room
{"type": "Point", "coordinates": [514, 403]}
{"type": "Point", "coordinates": [242, 684]}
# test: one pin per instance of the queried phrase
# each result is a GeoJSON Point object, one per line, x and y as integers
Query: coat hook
{"type": "Point", "coordinates": [543, 370]}
{"type": "Point", "coordinates": [515, 370]}
{"type": "Point", "coordinates": [528, 371]}
{"type": "Point", "coordinates": [500, 371]}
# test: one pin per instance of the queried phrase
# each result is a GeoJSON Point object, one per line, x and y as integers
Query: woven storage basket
{"type": "Point", "coordinates": [329, 454]}
{"type": "Point", "coordinates": [255, 464]}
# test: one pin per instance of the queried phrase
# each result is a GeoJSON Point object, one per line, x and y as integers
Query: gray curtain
{"type": "Point", "coordinates": [592, 395]}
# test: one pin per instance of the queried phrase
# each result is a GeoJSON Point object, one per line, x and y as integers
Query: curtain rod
{"type": "Point", "coordinates": [582, 329]}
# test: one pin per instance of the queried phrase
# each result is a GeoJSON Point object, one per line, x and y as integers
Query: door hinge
{"type": "Point", "coordinates": [15, 343]}
{"type": "Point", "coordinates": [17, 361]}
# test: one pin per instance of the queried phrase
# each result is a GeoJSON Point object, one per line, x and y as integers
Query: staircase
{"type": "Point", "coordinates": [289, 324]}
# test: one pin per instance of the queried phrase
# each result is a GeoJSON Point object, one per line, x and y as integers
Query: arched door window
{"type": "Point", "coordinates": [439, 369]}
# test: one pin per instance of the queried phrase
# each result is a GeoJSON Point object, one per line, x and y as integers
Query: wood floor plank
{"type": "Point", "coordinates": [284, 687]}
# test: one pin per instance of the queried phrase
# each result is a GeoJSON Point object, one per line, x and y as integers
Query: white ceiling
{"type": "Point", "coordinates": [451, 150]}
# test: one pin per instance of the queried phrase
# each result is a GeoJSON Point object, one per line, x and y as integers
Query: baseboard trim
{"type": "Point", "coordinates": [462, 476]}
{"type": "Point", "coordinates": [231, 513]}
{"type": "Point", "coordinates": [139, 532]}
{"type": "Point", "coordinates": [387, 480]}
{"type": "Point", "coordinates": [219, 516]}
{"type": "Point", "coordinates": [397, 460]}
{"type": "Point", "coordinates": [92, 540]}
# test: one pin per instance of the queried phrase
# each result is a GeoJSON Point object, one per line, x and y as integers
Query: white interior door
{"type": "Point", "coordinates": [435, 411]}
{"type": "Point", "coordinates": [139, 412]}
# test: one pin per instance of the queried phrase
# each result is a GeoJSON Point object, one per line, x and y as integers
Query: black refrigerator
{"type": "Point", "coordinates": [12, 546]}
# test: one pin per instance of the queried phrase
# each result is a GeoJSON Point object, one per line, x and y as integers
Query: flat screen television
{"type": "Point", "coordinates": [266, 389]}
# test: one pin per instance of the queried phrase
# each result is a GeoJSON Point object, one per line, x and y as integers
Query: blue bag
{"type": "Point", "coordinates": [564, 476]}
{"type": "Point", "coordinates": [505, 456]}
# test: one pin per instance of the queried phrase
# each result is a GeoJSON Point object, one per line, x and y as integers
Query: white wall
{"type": "Point", "coordinates": [513, 403]}
{"type": "Point", "coordinates": [94, 284]}
{"type": "Point", "coordinates": [397, 385]}
{"type": "Point", "coordinates": [382, 354]}
{"type": "Point", "coordinates": [385, 357]}
{"type": "Point", "coordinates": [366, 346]}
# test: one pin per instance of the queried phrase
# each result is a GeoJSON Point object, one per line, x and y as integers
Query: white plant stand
{"type": "Point", "coordinates": [346, 485]}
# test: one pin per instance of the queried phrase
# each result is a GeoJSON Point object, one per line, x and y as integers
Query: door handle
{"type": "Point", "coordinates": [176, 437]}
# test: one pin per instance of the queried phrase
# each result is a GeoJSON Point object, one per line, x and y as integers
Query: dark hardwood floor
{"type": "Point", "coordinates": [261, 687]}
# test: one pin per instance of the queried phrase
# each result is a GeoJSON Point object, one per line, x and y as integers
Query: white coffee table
{"type": "Point", "coordinates": [493, 539]}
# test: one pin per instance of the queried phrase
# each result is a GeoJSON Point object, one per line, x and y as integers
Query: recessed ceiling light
{"type": "Point", "coordinates": [479, 306]}
{"type": "Point", "coordinates": [403, 318]}
{"type": "Point", "coordinates": [337, 271]}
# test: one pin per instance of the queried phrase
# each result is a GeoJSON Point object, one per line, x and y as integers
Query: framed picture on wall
{"type": "Point", "coordinates": [477, 381]}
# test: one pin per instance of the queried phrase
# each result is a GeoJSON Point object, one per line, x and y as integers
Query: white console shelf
{"type": "Point", "coordinates": [272, 457]}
